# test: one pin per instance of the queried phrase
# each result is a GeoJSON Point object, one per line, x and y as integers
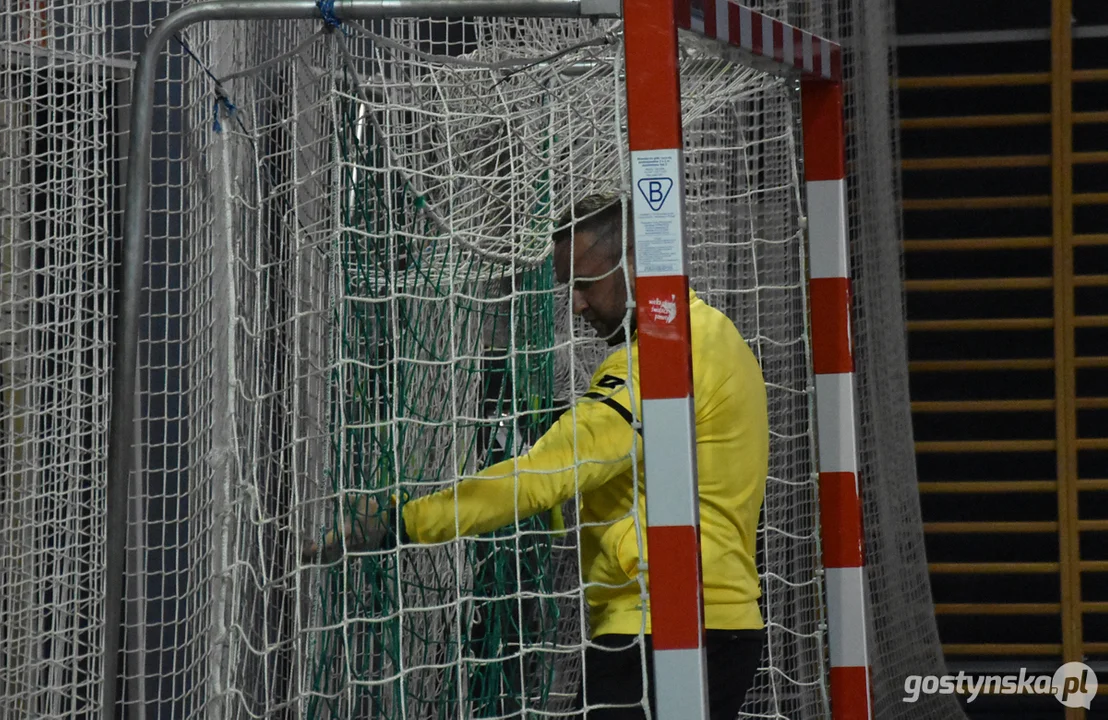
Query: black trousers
{"type": "Point", "coordinates": [614, 674]}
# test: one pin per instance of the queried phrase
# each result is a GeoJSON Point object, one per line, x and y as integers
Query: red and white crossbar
{"type": "Point", "coordinates": [665, 360]}
{"type": "Point", "coordinates": [789, 48]}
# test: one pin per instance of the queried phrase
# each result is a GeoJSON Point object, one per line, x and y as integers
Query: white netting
{"type": "Point", "coordinates": [57, 168]}
{"type": "Point", "coordinates": [352, 270]}
{"type": "Point", "coordinates": [442, 170]}
{"type": "Point", "coordinates": [896, 561]}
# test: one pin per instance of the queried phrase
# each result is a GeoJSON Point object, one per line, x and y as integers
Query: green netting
{"type": "Point", "coordinates": [432, 381]}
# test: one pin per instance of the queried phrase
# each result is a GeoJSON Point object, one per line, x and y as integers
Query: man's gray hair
{"type": "Point", "coordinates": [600, 214]}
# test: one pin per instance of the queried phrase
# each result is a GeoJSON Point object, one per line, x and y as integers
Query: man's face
{"type": "Point", "coordinates": [599, 285]}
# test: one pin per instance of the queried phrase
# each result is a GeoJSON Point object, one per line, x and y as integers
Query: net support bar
{"type": "Point", "coordinates": [121, 450]}
{"type": "Point", "coordinates": [654, 130]}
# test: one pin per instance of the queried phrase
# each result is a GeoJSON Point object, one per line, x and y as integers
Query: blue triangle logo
{"type": "Point", "coordinates": [655, 191]}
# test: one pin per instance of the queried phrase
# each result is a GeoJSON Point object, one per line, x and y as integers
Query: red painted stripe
{"type": "Point", "coordinates": [817, 57]}
{"type": "Point", "coordinates": [756, 33]}
{"type": "Point", "coordinates": [665, 366]}
{"type": "Point", "coordinates": [778, 40]}
{"type": "Point", "coordinates": [675, 597]}
{"type": "Point", "coordinates": [821, 105]}
{"type": "Point", "coordinates": [850, 693]}
{"type": "Point", "coordinates": [798, 49]}
{"type": "Point", "coordinates": [734, 25]}
{"type": "Point", "coordinates": [840, 516]}
{"type": "Point", "coordinates": [709, 7]}
{"type": "Point", "coordinates": [832, 350]}
{"type": "Point", "coordinates": [650, 49]}
{"type": "Point", "coordinates": [683, 13]}
{"type": "Point", "coordinates": [836, 63]}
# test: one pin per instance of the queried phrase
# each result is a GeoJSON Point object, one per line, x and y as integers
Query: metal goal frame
{"type": "Point", "coordinates": [655, 139]}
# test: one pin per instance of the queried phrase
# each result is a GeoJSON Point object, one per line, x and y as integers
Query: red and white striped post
{"type": "Point", "coordinates": [665, 361]}
{"type": "Point", "coordinates": [833, 361]}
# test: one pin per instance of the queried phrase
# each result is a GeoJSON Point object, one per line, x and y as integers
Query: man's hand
{"type": "Point", "coordinates": [363, 528]}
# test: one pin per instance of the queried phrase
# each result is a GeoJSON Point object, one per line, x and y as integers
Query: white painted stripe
{"type": "Point", "coordinates": [846, 616]}
{"type": "Point", "coordinates": [834, 423]}
{"type": "Point", "coordinates": [696, 22]}
{"type": "Point", "coordinates": [827, 229]}
{"type": "Point", "coordinates": [767, 36]}
{"type": "Point", "coordinates": [723, 22]}
{"type": "Point", "coordinates": [746, 28]}
{"type": "Point", "coordinates": [825, 57]}
{"type": "Point", "coordinates": [680, 684]}
{"type": "Point", "coordinates": [807, 44]}
{"type": "Point", "coordinates": [669, 450]}
{"type": "Point", "coordinates": [788, 49]}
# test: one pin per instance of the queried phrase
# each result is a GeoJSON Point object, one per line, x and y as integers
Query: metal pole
{"type": "Point", "coordinates": [126, 331]}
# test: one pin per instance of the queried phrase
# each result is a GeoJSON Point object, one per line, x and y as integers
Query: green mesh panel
{"type": "Point", "coordinates": [414, 334]}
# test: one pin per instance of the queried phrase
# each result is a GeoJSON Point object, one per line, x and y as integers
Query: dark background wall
{"type": "Point", "coordinates": [1005, 259]}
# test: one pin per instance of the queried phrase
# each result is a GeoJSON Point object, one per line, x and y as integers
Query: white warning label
{"type": "Point", "coordinates": [657, 207]}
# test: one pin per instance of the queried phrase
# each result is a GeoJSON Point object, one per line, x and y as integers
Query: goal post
{"type": "Point", "coordinates": [371, 310]}
{"type": "Point", "coordinates": [655, 121]}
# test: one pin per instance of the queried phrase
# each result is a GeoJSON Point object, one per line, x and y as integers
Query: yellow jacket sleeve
{"type": "Point", "coordinates": [590, 443]}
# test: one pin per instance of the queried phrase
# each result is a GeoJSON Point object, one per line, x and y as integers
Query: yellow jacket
{"type": "Point", "coordinates": [732, 439]}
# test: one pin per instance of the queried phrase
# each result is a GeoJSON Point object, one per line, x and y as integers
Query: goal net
{"type": "Point", "coordinates": [57, 169]}
{"type": "Point", "coordinates": [372, 309]}
{"type": "Point", "coordinates": [349, 290]}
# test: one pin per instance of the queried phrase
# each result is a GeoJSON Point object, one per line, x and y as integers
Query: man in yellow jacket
{"type": "Point", "coordinates": [594, 452]}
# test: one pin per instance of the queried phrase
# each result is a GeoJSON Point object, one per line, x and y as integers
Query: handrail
{"type": "Point", "coordinates": [978, 284]}
{"type": "Point", "coordinates": [969, 162]}
{"type": "Point", "coordinates": [991, 526]}
{"type": "Point", "coordinates": [942, 122]}
{"type": "Point", "coordinates": [973, 81]}
{"type": "Point", "coordinates": [990, 446]}
{"type": "Point", "coordinates": [980, 324]}
{"type": "Point", "coordinates": [974, 121]}
{"type": "Point", "coordinates": [979, 243]}
{"type": "Point", "coordinates": [978, 203]}
{"type": "Point", "coordinates": [1002, 648]}
{"type": "Point", "coordinates": [997, 609]}
{"type": "Point", "coordinates": [960, 406]}
{"type": "Point", "coordinates": [993, 568]}
{"type": "Point", "coordinates": [980, 365]}
{"type": "Point", "coordinates": [986, 486]}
